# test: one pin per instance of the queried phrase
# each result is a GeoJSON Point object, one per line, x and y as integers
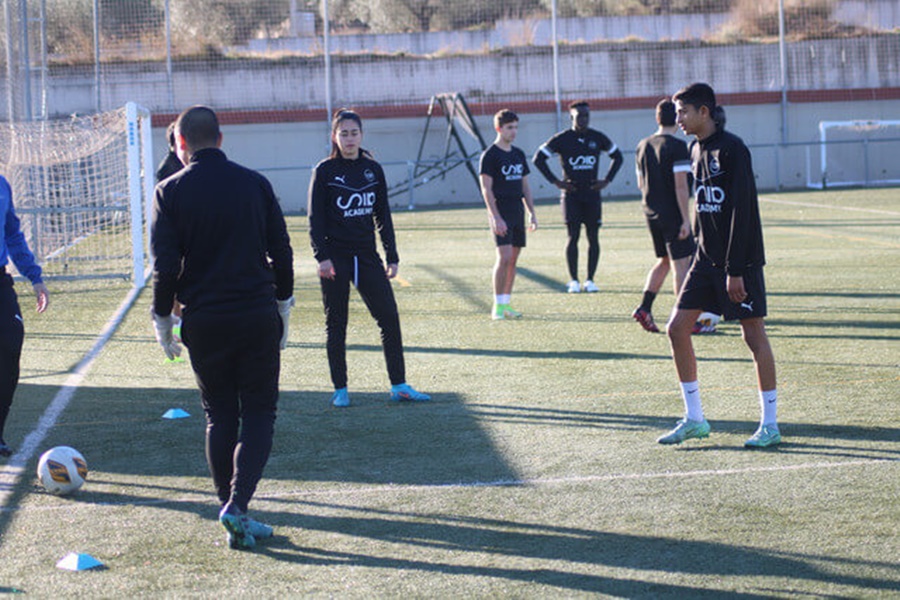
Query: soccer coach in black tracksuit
{"type": "Point", "coordinates": [222, 249]}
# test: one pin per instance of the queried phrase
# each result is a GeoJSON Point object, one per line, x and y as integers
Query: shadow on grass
{"type": "Point", "coordinates": [799, 438]}
{"type": "Point", "coordinates": [580, 547]}
{"type": "Point", "coordinates": [378, 442]}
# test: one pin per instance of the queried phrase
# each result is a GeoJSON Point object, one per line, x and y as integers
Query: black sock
{"type": "Point", "coordinates": [647, 302]}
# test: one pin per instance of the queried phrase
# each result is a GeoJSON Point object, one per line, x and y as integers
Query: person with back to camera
{"type": "Point", "coordinates": [170, 165]}
{"type": "Point", "coordinates": [662, 165]}
{"type": "Point", "coordinates": [347, 204]}
{"type": "Point", "coordinates": [221, 248]}
{"type": "Point", "coordinates": [727, 274]}
{"type": "Point", "coordinates": [579, 150]}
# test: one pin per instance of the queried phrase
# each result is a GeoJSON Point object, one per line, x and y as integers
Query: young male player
{"type": "Point", "coordinates": [13, 246]}
{"type": "Point", "coordinates": [727, 274]}
{"type": "Point", "coordinates": [504, 185]}
{"type": "Point", "coordinates": [579, 150]}
{"type": "Point", "coordinates": [220, 244]}
{"type": "Point", "coordinates": [662, 164]}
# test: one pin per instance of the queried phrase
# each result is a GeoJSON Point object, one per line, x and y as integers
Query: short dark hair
{"type": "Point", "coordinates": [170, 135]}
{"type": "Point", "coordinates": [665, 112]}
{"type": "Point", "coordinates": [503, 117]}
{"type": "Point", "coordinates": [697, 95]}
{"type": "Point", "coordinates": [199, 126]}
{"type": "Point", "coordinates": [579, 104]}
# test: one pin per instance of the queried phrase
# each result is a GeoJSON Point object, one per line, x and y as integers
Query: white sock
{"type": "Point", "coordinates": [690, 391]}
{"type": "Point", "coordinates": [502, 298]}
{"type": "Point", "coordinates": [768, 402]}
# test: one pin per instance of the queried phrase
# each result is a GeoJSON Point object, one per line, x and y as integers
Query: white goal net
{"type": "Point", "coordinates": [856, 153]}
{"type": "Point", "coordinates": [82, 187]}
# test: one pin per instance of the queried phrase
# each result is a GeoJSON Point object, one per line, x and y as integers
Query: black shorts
{"type": "Point", "coordinates": [704, 289]}
{"type": "Point", "coordinates": [666, 242]}
{"type": "Point", "coordinates": [513, 212]}
{"type": "Point", "coordinates": [583, 207]}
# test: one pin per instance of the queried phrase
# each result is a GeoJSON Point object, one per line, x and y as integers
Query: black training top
{"type": "Point", "coordinates": [657, 159]}
{"type": "Point", "coordinates": [219, 239]}
{"type": "Point", "coordinates": [727, 207]}
{"type": "Point", "coordinates": [170, 165]}
{"type": "Point", "coordinates": [506, 168]}
{"type": "Point", "coordinates": [579, 155]}
{"type": "Point", "coordinates": [347, 203]}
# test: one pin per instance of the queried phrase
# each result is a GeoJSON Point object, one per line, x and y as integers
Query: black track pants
{"type": "Point", "coordinates": [367, 273]}
{"type": "Point", "coordinates": [12, 334]}
{"type": "Point", "coordinates": [236, 363]}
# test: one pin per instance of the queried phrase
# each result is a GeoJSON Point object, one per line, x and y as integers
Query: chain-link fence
{"type": "Point", "coordinates": [291, 62]}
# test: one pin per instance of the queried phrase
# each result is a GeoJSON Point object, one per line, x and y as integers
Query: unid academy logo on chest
{"type": "Point", "coordinates": [512, 172]}
{"type": "Point", "coordinates": [710, 197]}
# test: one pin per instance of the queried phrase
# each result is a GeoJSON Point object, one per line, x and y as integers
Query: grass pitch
{"type": "Point", "coordinates": [534, 472]}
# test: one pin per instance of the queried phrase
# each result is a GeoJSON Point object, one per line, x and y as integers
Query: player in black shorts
{"type": "Point", "coordinates": [347, 204]}
{"type": "Point", "coordinates": [662, 163]}
{"type": "Point", "coordinates": [727, 274]}
{"type": "Point", "coordinates": [504, 185]}
{"type": "Point", "coordinates": [579, 150]}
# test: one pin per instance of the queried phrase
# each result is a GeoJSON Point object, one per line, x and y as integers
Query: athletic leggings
{"type": "Point", "coordinates": [592, 231]}
{"type": "Point", "coordinates": [12, 334]}
{"type": "Point", "coordinates": [366, 272]}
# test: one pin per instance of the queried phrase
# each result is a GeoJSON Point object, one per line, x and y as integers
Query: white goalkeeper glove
{"type": "Point", "coordinates": [162, 326]}
{"type": "Point", "coordinates": [284, 311]}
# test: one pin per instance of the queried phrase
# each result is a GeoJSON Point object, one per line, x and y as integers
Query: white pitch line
{"type": "Point", "coordinates": [830, 206]}
{"type": "Point", "coordinates": [14, 469]}
{"type": "Point", "coordinates": [394, 488]}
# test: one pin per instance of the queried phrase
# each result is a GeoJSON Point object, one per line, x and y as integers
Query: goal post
{"type": "Point", "coordinates": [83, 188]}
{"type": "Point", "coordinates": [141, 179]}
{"type": "Point", "coordinates": [856, 153]}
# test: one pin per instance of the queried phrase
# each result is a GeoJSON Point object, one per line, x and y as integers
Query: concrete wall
{"type": "Point", "coordinates": [286, 152]}
{"type": "Point", "coordinates": [521, 75]}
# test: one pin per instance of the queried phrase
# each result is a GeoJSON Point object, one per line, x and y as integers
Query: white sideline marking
{"type": "Point", "coordinates": [830, 206]}
{"type": "Point", "coordinates": [391, 488]}
{"type": "Point", "coordinates": [14, 469]}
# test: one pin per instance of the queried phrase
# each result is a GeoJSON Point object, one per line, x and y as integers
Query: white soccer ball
{"type": "Point", "coordinates": [62, 470]}
{"type": "Point", "coordinates": [708, 319]}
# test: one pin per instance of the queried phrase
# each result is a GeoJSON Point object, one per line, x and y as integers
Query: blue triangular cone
{"type": "Point", "coordinates": [78, 562]}
{"type": "Point", "coordinates": [175, 413]}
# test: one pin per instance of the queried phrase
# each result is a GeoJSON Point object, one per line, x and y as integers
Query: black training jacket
{"type": "Point", "coordinates": [219, 239]}
{"type": "Point", "coordinates": [726, 204]}
{"type": "Point", "coordinates": [348, 203]}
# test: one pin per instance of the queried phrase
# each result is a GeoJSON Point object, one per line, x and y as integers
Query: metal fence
{"type": "Point", "coordinates": [289, 62]}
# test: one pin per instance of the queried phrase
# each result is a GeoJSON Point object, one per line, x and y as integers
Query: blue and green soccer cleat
{"type": "Point", "coordinates": [686, 429]}
{"type": "Point", "coordinates": [765, 436]}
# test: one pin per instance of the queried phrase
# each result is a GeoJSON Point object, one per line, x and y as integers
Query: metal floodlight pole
{"type": "Point", "coordinates": [26, 60]}
{"type": "Point", "coordinates": [782, 57]}
{"type": "Point", "coordinates": [169, 77]}
{"type": "Point", "coordinates": [555, 41]}
{"type": "Point", "coordinates": [326, 25]}
{"type": "Point", "coordinates": [96, 16]}
{"type": "Point", "coordinates": [10, 72]}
